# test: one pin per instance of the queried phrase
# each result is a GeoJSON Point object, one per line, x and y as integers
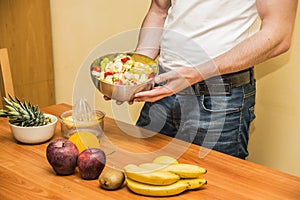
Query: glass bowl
{"type": "Point", "coordinates": [94, 125]}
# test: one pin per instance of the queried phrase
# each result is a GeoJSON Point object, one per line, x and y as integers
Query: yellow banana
{"type": "Point", "coordinates": [155, 190]}
{"type": "Point", "coordinates": [186, 170]}
{"type": "Point", "coordinates": [149, 176]}
{"type": "Point", "coordinates": [166, 190]}
{"type": "Point", "coordinates": [181, 169]}
{"type": "Point", "coordinates": [194, 183]}
{"type": "Point", "coordinates": [154, 166]}
{"type": "Point", "coordinates": [165, 160]}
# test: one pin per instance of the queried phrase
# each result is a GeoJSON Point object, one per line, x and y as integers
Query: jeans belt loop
{"type": "Point", "coordinates": [252, 76]}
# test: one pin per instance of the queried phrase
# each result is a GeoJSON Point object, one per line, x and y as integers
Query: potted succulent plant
{"type": "Point", "coordinates": [27, 122]}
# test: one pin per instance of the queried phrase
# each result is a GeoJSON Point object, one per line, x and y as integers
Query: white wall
{"type": "Point", "coordinates": [78, 27]}
{"type": "Point", "coordinates": [275, 138]}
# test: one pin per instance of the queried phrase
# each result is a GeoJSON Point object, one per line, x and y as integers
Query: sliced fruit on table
{"type": "Point", "coordinates": [165, 160]}
{"type": "Point", "coordinates": [84, 140]}
{"type": "Point", "coordinates": [186, 170]}
{"type": "Point", "coordinates": [150, 176]}
{"type": "Point", "coordinates": [153, 166]}
{"type": "Point", "coordinates": [182, 170]}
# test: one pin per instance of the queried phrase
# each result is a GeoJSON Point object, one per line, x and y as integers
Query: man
{"type": "Point", "coordinates": [211, 46]}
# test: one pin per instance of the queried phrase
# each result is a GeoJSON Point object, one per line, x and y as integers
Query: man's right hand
{"type": "Point", "coordinates": [106, 98]}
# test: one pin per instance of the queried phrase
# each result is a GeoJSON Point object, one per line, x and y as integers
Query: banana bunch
{"type": "Point", "coordinates": [164, 176]}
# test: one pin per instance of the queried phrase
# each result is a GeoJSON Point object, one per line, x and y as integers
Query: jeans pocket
{"type": "Point", "coordinates": [222, 115]}
{"type": "Point", "coordinates": [222, 103]}
{"type": "Point", "coordinates": [251, 113]}
{"type": "Point", "coordinates": [225, 120]}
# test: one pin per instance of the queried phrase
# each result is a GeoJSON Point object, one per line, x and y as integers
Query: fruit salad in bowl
{"type": "Point", "coordinates": [121, 75]}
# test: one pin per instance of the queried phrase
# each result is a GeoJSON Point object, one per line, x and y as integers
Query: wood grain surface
{"type": "Point", "coordinates": [25, 30]}
{"type": "Point", "coordinates": [26, 174]}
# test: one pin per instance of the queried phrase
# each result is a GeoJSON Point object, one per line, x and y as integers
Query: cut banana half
{"type": "Point", "coordinates": [165, 160]}
{"type": "Point", "coordinates": [150, 176]}
{"type": "Point", "coordinates": [182, 170]}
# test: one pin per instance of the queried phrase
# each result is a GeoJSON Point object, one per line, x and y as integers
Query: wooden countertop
{"type": "Point", "coordinates": [26, 174]}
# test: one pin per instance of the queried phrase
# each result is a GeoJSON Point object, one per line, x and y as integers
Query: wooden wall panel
{"type": "Point", "coordinates": [26, 31]}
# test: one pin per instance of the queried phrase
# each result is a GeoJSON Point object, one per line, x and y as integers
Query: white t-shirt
{"type": "Point", "coordinates": [196, 31]}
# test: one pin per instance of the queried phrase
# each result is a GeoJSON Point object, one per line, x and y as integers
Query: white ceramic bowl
{"type": "Point", "coordinates": [34, 135]}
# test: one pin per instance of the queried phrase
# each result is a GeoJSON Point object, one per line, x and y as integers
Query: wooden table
{"type": "Point", "coordinates": [26, 174]}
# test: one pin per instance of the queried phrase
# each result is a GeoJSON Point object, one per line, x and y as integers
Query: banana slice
{"type": "Point", "coordinates": [186, 170]}
{"type": "Point", "coordinates": [153, 166]}
{"type": "Point", "coordinates": [182, 170]}
{"type": "Point", "coordinates": [150, 176]}
{"type": "Point", "coordinates": [165, 160]}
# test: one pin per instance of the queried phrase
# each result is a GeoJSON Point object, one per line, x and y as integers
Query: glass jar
{"type": "Point", "coordinates": [69, 126]}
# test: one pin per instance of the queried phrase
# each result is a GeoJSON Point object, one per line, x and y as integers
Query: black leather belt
{"type": "Point", "coordinates": [221, 85]}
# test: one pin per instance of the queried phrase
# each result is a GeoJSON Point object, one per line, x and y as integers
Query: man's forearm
{"type": "Point", "coordinates": [152, 28]}
{"type": "Point", "coordinates": [273, 39]}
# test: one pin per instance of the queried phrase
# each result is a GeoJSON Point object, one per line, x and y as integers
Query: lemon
{"type": "Point", "coordinates": [84, 140]}
{"type": "Point", "coordinates": [165, 160]}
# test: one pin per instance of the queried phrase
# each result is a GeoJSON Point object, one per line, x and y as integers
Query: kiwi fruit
{"type": "Point", "coordinates": [111, 179]}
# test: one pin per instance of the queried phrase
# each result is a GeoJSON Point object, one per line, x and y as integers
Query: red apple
{"type": "Point", "coordinates": [91, 162]}
{"type": "Point", "coordinates": [62, 155]}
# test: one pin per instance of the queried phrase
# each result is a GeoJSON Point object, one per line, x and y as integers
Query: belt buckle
{"type": "Point", "coordinates": [228, 87]}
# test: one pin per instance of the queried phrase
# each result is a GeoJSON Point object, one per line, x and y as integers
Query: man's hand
{"type": "Point", "coordinates": [175, 81]}
{"type": "Point", "coordinates": [117, 102]}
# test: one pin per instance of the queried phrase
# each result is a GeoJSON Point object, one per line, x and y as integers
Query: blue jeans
{"type": "Point", "coordinates": [219, 122]}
